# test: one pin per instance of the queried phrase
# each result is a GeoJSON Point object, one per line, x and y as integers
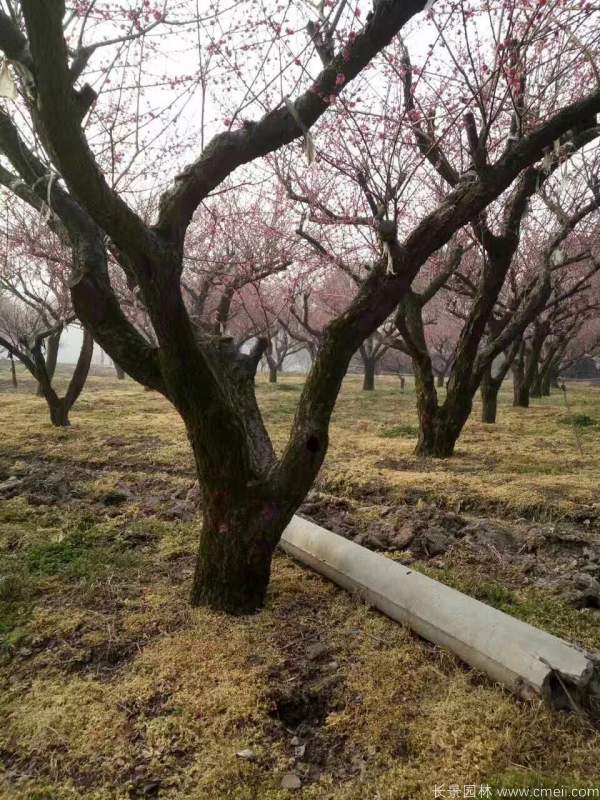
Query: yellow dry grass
{"type": "Point", "coordinates": [111, 686]}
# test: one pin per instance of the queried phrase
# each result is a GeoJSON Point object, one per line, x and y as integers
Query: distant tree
{"type": "Point", "coordinates": [36, 308]}
{"type": "Point", "coordinates": [23, 335]}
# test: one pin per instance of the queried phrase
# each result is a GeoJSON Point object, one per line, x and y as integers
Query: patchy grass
{"type": "Point", "coordinates": [111, 687]}
{"type": "Point", "coordinates": [580, 421]}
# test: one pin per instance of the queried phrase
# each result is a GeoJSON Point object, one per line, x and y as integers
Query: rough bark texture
{"type": "Point", "coordinates": [491, 383]}
{"type": "Point", "coordinates": [233, 566]}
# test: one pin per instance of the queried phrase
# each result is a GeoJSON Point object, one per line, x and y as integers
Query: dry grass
{"type": "Point", "coordinates": [111, 687]}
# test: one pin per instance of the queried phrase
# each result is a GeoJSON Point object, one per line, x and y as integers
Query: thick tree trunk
{"type": "Point", "coordinates": [51, 359]}
{"type": "Point", "coordinates": [244, 513]}
{"type": "Point", "coordinates": [272, 374]}
{"type": "Point", "coordinates": [120, 372]}
{"type": "Point", "coordinates": [489, 397]}
{"type": "Point", "coordinates": [233, 566]}
{"type": "Point", "coordinates": [59, 412]}
{"type": "Point", "coordinates": [439, 433]}
{"type": "Point", "coordinates": [245, 507]}
{"type": "Point", "coordinates": [368, 375]}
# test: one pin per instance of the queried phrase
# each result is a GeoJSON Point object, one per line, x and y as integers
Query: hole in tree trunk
{"type": "Point", "coordinates": [312, 444]}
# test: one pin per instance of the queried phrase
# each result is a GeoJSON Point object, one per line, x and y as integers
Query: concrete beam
{"type": "Point", "coordinates": [526, 660]}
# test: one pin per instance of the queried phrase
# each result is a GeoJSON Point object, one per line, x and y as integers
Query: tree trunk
{"type": "Point", "coordinates": [369, 375]}
{"type": "Point", "coordinates": [545, 384]}
{"type": "Point", "coordinates": [244, 510]}
{"type": "Point", "coordinates": [60, 406]}
{"type": "Point", "coordinates": [51, 359]}
{"type": "Point", "coordinates": [272, 374]}
{"type": "Point", "coordinates": [520, 393]}
{"type": "Point", "coordinates": [520, 385]}
{"type": "Point", "coordinates": [439, 426]}
{"type": "Point", "coordinates": [536, 384]}
{"type": "Point", "coordinates": [439, 433]}
{"type": "Point", "coordinates": [440, 381]}
{"type": "Point", "coordinates": [59, 412]}
{"type": "Point", "coordinates": [233, 566]}
{"type": "Point", "coordinates": [13, 372]}
{"type": "Point", "coordinates": [489, 397]}
{"type": "Point", "coordinates": [120, 372]}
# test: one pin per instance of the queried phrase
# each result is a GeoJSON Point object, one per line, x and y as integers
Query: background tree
{"type": "Point", "coordinates": [37, 307]}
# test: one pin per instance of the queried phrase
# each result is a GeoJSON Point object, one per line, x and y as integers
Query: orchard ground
{"type": "Point", "coordinates": [111, 686]}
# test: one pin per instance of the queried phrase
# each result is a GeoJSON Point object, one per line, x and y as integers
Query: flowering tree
{"type": "Point", "coordinates": [572, 333]}
{"type": "Point", "coordinates": [36, 307]}
{"type": "Point", "coordinates": [248, 493]}
{"type": "Point", "coordinates": [499, 91]}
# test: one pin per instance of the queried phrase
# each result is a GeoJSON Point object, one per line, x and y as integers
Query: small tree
{"type": "Point", "coordinates": [37, 308]}
{"type": "Point", "coordinates": [22, 335]}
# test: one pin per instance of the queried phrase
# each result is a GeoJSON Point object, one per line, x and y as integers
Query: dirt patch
{"type": "Point", "coordinates": [564, 558]}
{"type": "Point", "coordinates": [39, 483]}
{"type": "Point", "coordinates": [304, 690]}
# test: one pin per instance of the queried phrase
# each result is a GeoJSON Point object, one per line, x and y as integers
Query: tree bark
{"type": "Point", "coordinates": [520, 388]}
{"type": "Point", "coordinates": [60, 407]}
{"type": "Point", "coordinates": [51, 358]}
{"type": "Point", "coordinates": [490, 388]}
{"type": "Point", "coordinates": [233, 566]}
{"type": "Point", "coordinates": [120, 372]}
{"type": "Point", "coordinates": [536, 385]}
{"type": "Point", "coordinates": [368, 375]}
{"type": "Point", "coordinates": [439, 433]}
{"type": "Point", "coordinates": [59, 413]}
{"type": "Point", "coordinates": [440, 381]}
{"type": "Point", "coordinates": [245, 511]}
{"type": "Point", "coordinates": [520, 392]}
{"type": "Point", "coordinates": [439, 425]}
{"type": "Point", "coordinates": [545, 384]}
{"type": "Point", "coordinates": [272, 374]}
